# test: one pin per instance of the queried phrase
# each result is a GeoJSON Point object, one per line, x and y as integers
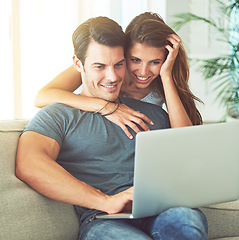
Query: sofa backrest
{"type": "Point", "coordinates": [24, 213]}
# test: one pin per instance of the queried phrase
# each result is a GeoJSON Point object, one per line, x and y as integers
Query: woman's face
{"type": "Point", "coordinates": [144, 63]}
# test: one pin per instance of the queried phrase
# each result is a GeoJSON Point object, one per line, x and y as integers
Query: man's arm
{"type": "Point", "coordinates": [36, 165]}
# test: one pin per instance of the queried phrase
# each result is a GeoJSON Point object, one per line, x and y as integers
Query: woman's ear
{"type": "Point", "coordinates": [77, 63]}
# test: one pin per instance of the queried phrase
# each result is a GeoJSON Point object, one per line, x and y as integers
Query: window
{"type": "Point", "coordinates": [36, 43]}
{"type": "Point", "coordinates": [6, 88]}
{"type": "Point", "coordinates": [46, 46]}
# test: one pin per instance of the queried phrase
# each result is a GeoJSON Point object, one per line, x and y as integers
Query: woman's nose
{"type": "Point", "coordinates": [143, 70]}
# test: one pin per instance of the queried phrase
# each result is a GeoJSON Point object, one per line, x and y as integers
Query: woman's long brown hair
{"type": "Point", "coordinates": [150, 29]}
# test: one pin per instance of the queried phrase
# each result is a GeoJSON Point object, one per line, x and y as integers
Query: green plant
{"type": "Point", "coordinates": [224, 69]}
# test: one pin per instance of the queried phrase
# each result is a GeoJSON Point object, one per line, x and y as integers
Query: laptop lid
{"type": "Point", "coordinates": [190, 166]}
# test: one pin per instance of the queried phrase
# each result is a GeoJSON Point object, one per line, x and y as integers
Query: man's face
{"type": "Point", "coordinates": [103, 71]}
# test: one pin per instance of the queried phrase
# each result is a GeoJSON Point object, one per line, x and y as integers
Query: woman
{"type": "Point", "coordinates": [157, 72]}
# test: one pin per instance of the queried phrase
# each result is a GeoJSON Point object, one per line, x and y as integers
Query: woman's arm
{"type": "Point", "coordinates": [177, 114]}
{"type": "Point", "coordinates": [61, 88]}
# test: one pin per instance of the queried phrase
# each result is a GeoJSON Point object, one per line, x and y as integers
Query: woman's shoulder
{"type": "Point", "coordinates": [154, 97]}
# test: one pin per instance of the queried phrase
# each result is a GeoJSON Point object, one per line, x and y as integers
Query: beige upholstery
{"type": "Point", "coordinates": [25, 214]}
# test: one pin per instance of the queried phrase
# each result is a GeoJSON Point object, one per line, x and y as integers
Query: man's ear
{"type": "Point", "coordinates": [77, 63]}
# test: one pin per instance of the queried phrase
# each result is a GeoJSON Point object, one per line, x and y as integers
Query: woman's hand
{"type": "Point", "coordinates": [167, 66]}
{"type": "Point", "coordinates": [177, 114]}
{"type": "Point", "coordinates": [125, 116]}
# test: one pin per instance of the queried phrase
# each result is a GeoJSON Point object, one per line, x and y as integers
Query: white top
{"type": "Point", "coordinates": [155, 98]}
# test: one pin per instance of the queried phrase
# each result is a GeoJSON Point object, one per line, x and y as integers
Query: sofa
{"type": "Point", "coordinates": [26, 214]}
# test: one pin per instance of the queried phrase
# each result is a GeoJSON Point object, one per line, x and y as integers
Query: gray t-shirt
{"type": "Point", "coordinates": [93, 149]}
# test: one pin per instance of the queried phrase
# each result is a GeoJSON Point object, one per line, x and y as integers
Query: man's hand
{"type": "Point", "coordinates": [119, 202]}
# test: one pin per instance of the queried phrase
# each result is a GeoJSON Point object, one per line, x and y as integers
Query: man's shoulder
{"type": "Point", "coordinates": [134, 103]}
{"type": "Point", "coordinates": [152, 111]}
{"type": "Point", "coordinates": [56, 112]}
{"type": "Point", "coordinates": [59, 108]}
{"type": "Point", "coordinates": [53, 121]}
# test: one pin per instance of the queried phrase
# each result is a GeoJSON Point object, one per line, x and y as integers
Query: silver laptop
{"type": "Point", "coordinates": [184, 167]}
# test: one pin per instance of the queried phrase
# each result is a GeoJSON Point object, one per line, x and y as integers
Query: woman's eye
{"type": "Point", "coordinates": [119, 64]}
{"type": "Point", "coordinates": [155, 63]}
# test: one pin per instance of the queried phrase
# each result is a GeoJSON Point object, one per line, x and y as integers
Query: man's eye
{"type": "Point", "coordinates": [135, 60]}
{"type": "Point", "coordinates": [98, 67]}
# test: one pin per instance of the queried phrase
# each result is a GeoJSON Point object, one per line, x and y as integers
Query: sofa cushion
{"type": "Point", "coordinates": [234, 205]}
{"type": "Point", "coordinates": [222, 222]}
{"type": "Point", "coordinates": [24, 213]}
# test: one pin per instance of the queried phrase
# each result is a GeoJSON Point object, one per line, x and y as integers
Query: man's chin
{"type": "Point", "coordinates": [111, 98]}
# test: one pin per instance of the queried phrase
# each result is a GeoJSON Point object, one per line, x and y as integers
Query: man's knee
{"type": "Point", "coordinates": [183, 223]}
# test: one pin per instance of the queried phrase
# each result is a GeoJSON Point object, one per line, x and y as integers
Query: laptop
{"type": "Point", "coordinates": [184, 167]}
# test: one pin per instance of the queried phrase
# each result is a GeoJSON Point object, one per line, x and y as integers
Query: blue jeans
{"type": "Point", "coordinates": [175, 223]}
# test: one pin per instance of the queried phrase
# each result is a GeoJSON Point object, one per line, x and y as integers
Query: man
{"type": "Point", "coordinates": [83, 159]}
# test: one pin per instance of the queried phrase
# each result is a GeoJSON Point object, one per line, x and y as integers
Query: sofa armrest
{"type": "Point", "coordinates": [24, 213]}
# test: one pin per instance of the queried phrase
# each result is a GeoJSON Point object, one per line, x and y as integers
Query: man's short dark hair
{"type": "Point", "coordinates": [100, 29]}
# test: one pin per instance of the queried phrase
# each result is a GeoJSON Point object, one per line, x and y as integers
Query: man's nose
{"type": "Point", "coordinates": [111, 75]}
